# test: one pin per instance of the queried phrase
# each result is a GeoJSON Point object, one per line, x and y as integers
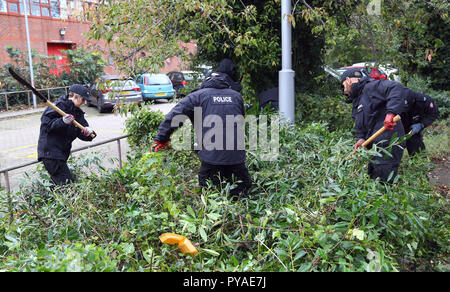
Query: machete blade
{"type": "Point", "coordinates": [26, 84]}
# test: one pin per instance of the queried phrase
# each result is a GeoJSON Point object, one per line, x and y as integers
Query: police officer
{"type": "Point", "coordinates": [420, 112]}
{"type": "Point", "coordinates": [269, 97]}
{"type": "Point", "coordinates": [219, 107]}
{"type": "Point", "coordinates": [375, 103]}
{"type": "Point", "coordinates": [57, 133]}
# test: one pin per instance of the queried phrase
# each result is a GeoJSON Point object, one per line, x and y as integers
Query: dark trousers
{"type": "Point", "coordinates": [415, 144]}
{"type": "Point", "coordinates": [381, 167]}
{"type": "Point", "coordinates": [58, 170]}
{"type": "Point", "coordinates": [226, 173]}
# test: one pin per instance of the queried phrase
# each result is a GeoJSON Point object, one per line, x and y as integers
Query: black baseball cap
{"type": "Point", "coordinates": [352, 73]}
{"type": "Point", "coordinates": [81, 90]}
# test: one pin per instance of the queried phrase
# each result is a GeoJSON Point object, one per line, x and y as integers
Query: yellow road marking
{"type": "Point", "coordinates": [34, 155]}
{"type": "Point", "coordinates": [18, 148]}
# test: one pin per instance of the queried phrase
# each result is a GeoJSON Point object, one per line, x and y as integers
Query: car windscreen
{"type": "Point", "coordinates": [156, 80]}
{"type": "Point", "coordinates": [120, 84]}
{"type": "Point", "coordinates": [193, 76]}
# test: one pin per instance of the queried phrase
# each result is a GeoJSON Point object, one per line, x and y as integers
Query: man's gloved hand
{"type": "Point", "coordinates": [68, 119]}
{"type": "Point", "coordinates": [88, 131]}
{"type": "Point", "coordinates": [359, 143]}
{"type": "Point", "coordinates": [415, 128]}
{"type": "Point", "coordinates": [160, 145]}
{"type": "Point", "coordinates": [389, 122]}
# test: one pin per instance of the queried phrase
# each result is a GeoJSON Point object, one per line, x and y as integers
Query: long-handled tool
{"type": "Point", "coordinates": [376, 134]}
{"type": "Point", "coordinates": [43, 98]}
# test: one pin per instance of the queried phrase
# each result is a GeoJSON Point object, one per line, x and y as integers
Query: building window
{"type": "Point", "coordinates": [35, 8]}
{"type": "Point", "coordinates": [3, 7]}
{"type": "Point", "coordinates": [13, 7]}
{"type": "Point", "coordinates": [45, 8]}
{"type": "Point", "coordinates": [45, 11]}
{"type": "Point", "coordinates": [54, 4]}
{"type": "Point", "coordinates": [63, 11]}
{"type": "Point", "coordinates": [22, 8]}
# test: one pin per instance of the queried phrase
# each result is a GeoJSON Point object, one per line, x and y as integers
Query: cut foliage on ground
{"type": "Point", "coordinates": [310, 210]}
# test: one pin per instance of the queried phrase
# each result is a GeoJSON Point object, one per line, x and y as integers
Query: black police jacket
{"type": "Point", "coordinates": [419, 108]}
{"type": "Point", "coordinates": [269, 97]}
{"type": "Point", "coordinates": [372, 100]}
{"type": "Point", "coordinates": [56, 137]}
{"type": "Point", "coordinates": [212, 109]}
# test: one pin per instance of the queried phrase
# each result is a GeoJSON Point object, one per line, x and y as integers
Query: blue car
{"type": "Point", "coordinates": [155, 86]}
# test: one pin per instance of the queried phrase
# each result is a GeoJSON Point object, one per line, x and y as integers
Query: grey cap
{"type": "Point", "coordinates": [81, 90]}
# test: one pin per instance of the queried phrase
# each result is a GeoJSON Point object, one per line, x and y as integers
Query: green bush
{"type": "Point", "coordinates": [313, 209]}
{"type": "Point", "coordinates": [329, 108]}
{"type": "Point", "coordinates": [84, 68]}
{"type": "Point", "coordinates": [142, 126]}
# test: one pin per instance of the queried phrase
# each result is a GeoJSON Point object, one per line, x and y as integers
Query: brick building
{"type": "Point", "coordinates": [53, 26]}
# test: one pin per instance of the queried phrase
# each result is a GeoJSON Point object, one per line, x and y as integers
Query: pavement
{"type": "Point", "coordinates": [18, 113]}
{"type": "Point", "coordinates": [19, 132]}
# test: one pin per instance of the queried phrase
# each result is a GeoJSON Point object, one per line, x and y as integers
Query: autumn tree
{"type": "Point", "coordinates": [142, 34]}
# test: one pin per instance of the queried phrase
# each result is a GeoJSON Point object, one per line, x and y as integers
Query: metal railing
{"type": "Point", "coordinates": [29, 93]}
{"type": "Point", "coordinates": [6, 170]}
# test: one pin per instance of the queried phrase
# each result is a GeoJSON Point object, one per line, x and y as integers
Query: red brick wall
{"type": "Point", "coordinates": [175, 63]}
{"type": "Point", "coordinates": [43, 31]}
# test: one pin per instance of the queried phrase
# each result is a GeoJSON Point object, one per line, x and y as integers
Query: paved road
{"type": "Point", "coordinates": [19, 136]}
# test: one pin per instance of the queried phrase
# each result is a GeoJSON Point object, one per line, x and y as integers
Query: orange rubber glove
{"type": "Point", "coordinates": [159, 145]}
{"type": "Point", "coordinates": [389, 122]}
{"type": "Point", "coordinates": [359, 143]}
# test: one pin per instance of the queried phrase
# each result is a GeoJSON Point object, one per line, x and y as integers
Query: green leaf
{"type": "Point", "coordinates": [211, 252]}
{"type": "Point", "coordinates": [127, 248]}
{"type": "Point", "coordinates": [359, 234]}
{"type": "Point", "coordinates": [190, 211]}
{"type": "Point", "coordinates": [299, 255]}
{"type": "Point", "coordinates": [305, 267]}
{"type": "Point", "coordinates": [203, 234]}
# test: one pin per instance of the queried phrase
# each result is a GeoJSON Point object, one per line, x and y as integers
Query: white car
{"type": "Point", "coordinates": [387, 68]}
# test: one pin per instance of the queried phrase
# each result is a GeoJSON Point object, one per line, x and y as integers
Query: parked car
{"type": "Point", "coordinates": [205, 69]}
{"type": "Point", "coordinates": [181, 79]}
{"type": "Point", "coordinates": [154, 86]}
{"type": "Point", "coordinates": [391, 72]}
{"type": "Point", "coordinates": [373, 72]}
{"type": "Point", "coordinates": [332, 72]}
{"type": "Point", "coordinates": [108, 90]}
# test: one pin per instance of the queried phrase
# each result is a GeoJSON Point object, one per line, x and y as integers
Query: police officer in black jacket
{"type": "Point", "coordinates": [420, 112]}
{"type": "Point", "coordinates": [375, 103]}
{"type": "Point", "coordinates": [269, 97]}
{"type": "Point", "coordinates": [57, 133]}
{"type": "Point", "coordinates": [217, 112]}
